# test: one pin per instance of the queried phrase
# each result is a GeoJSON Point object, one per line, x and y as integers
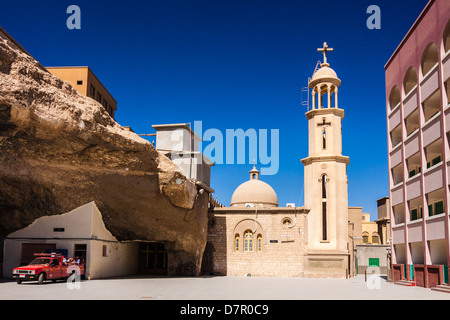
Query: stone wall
{"type": "Point", "coordinates": [282, 246]}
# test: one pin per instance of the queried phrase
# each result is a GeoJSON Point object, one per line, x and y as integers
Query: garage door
{"type": "Point", "coordinates": [29, 249]}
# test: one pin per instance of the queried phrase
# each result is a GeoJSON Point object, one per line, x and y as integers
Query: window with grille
{"type": "Point", "coordinates": [365, 238]}
{"type": "Point", "coordinates": [248, 241]}
{"type": "Point", "coordinates": [259, 243]}
{"type": "Point", "coordinates": [375, 238]}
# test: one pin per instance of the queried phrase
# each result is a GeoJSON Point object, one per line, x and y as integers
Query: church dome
{"type": "Point", "coordinates": [254, 191]}
{"type": "Point", "coordinates": [324, 73]}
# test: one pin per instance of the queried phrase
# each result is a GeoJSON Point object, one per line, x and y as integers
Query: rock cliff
{"type": "Point", "coordinates": [60, 150]}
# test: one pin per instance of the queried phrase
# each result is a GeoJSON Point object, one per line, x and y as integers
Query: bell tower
{"type": "Point", "coordinates": [325, 168]}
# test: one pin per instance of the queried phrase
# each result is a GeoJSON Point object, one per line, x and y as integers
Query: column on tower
{"type": "Point", "coordinates": [336, 105]}
{"type": "Point", "coordinates": [322, 89]}
{"type": "Point", "coordinates": [313, 99]}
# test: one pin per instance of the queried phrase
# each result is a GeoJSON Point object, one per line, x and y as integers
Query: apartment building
{"type": "Point", "coordinates": [418, 122]}
{"type": "Point", "coordinates": [86, 83]}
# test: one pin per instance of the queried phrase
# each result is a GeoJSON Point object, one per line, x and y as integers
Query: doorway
{"type": "Point", "coordinates": [152, 259]}
{"type": "Point", "coordinates": [207, 261]}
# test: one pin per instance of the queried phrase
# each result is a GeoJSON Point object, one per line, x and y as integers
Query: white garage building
{"type": "Point", "coordinates": [80, 233]}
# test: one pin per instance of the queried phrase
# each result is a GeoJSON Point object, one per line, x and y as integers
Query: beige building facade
{"type": "Point", "coordinates": [86, 83]}
{"type": "Point", "coordinates": [371, 232]}
{"type": "Point", "coordinates": [384, 220]}
{"type": "Point", "coordinates": [361, 225]}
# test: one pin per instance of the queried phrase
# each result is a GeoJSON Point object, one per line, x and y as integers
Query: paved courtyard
{"type": "Point", "coordinates": [218, 288]}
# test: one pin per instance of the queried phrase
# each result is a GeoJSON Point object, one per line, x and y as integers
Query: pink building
{"type": "Point", "coordinates": [418, 122]}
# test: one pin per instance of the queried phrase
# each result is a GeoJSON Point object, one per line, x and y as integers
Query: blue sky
{"type": "Point", "coordinates": [233, 64]}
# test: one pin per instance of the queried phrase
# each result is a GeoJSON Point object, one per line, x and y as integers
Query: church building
{"type": "Point", "coordinates": [255, 236]}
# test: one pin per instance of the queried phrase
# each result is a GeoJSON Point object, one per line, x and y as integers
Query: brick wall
{"type": "Point", "coordinates": [397, 272]}
{"type": "Point", "coordinates": [434, 275]}
{"type": "Point", "coordinates": [419, 275]}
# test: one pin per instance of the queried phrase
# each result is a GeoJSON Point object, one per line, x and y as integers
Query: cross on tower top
{"type": "Point", "coordinates": [325, 49]}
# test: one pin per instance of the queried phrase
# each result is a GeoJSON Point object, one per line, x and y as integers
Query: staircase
{"type": "Point", "coordinates": [407, 283]}
{"type": "Point", "coordinates": [442, 288]}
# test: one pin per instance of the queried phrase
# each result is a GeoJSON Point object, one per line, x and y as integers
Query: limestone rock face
{"type": "Point", "coordinates": [60, 150]}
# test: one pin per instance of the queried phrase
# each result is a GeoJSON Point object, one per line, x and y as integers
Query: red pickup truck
{"type": "Point", "coordinates": [49, 266]}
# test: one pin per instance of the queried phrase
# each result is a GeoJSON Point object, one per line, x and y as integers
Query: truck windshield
{"type": "Point", "coordinates": [40, 261]}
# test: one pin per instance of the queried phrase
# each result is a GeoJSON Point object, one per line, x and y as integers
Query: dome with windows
{"type": "Point", "coordinates": [254, 193]}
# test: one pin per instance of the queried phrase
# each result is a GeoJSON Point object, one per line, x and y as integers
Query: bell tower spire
{"type": "Point", "coordinates": [325, 168]}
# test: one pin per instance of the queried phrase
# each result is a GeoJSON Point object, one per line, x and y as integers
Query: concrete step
{"type": "Point", "coordinates": [407, 283]}
{"type": "Point", "coordinates": [442, 288]}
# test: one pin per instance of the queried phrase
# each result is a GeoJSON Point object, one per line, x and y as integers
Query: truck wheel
{"type": "Point", "coordinates": [41, 278]}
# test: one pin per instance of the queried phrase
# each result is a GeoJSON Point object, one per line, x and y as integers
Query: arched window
{"type": "Point", "coordinates": [324, 207]}
{"type": "Point", "coordinates": [237, 241]}
{"type": "Point", "coordinates": [447, 37]}
{"type": "Point", "coordinates": [430, 58]}
{"type": "Point", "coordinates": [365, 237]}
{"type": "Point", "coordinates": [410, 80]}
{"type": "Point", "coordinates": [323, 96]}
{"type": "Point", "coordinates": [375, 238]}
{"type": "Point", "coordinates": [259, 242]}
{"type": "Point", "coordinates": [324, 186]}
{"type": "Point", "coordinates": [334, 97]}
{"type": "Point", "coordinates": [394, 98]}
{"type": "Point", "coordinates": [248, 241]}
